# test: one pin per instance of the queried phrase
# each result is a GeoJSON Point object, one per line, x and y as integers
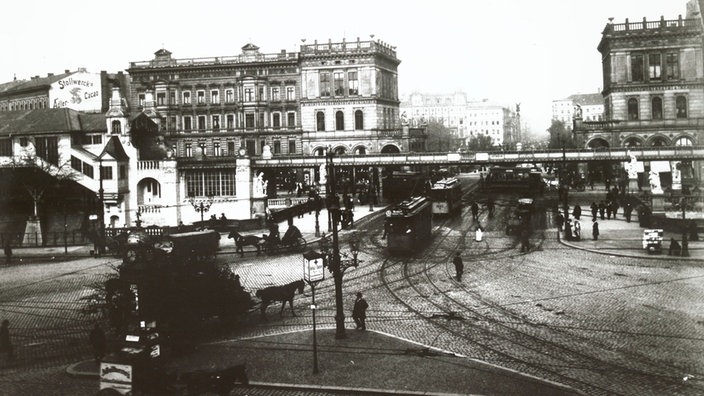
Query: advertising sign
{"type": "Point", "coordinates": [313, 269]}
{"type": "Point", "coordinates": [116, 376]}
{"type": "Point", "coordinates": [79, 91]}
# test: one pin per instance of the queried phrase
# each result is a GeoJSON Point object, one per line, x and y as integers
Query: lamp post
{"type": "Point", "coordinates": [101, 202]}
{"type": "Point", "coordinates": [313, 273]}
{"type": "Point", "coordinates": [565, 188]}
{"type": "Point", "coordinates": [201, 206]}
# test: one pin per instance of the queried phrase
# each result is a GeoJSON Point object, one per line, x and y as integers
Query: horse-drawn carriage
{"type": "Point", "coordinates": [271, 243]}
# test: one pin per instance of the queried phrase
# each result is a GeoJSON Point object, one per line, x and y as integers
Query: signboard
{"type": "Point", "coordinates": [79, 91]}
{"type": "Point", "coordinates": [116, 376]}
{"type": "Point", "coordinates": [313, 268]}
{"type": "Point", "coordinates": [481, 156]}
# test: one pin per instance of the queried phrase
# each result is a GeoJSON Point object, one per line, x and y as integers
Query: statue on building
{"type": "Point", "coordinates": [258, 185]}
{"type": "Point", "coordinates": [655, 187]}
{"type": "Point", "coordinates": [323, 180]}
{"type": "Point", "coordinates": [404, 118]}
{"type": "Point", "coordinates": [578, 111]}
{"type": "Point", "coordinates": [632, 166]}
{"type": "Point", "coordinates": [518, 108]}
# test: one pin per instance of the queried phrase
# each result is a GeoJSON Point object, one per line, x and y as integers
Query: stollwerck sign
{"type": "Point", "coordinates": [313, 268]}
{"type": "Point", "coordinates": [78, 91]}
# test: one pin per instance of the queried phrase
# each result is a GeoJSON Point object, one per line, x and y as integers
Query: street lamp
{"type": "Point", "coordinates": [201, 206]}
{"type": "Point", "coordinates": [313, 273]}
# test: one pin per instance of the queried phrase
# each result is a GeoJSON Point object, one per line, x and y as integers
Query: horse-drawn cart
{"type": "Point", "coordinates": [270, 243]}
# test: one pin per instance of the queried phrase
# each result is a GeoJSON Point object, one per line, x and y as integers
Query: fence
{"type": "Point", "coordinates": [20, 240]}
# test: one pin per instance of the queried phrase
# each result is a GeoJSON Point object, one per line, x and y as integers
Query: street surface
{"type": "Point", "coordinates": [604, 325]}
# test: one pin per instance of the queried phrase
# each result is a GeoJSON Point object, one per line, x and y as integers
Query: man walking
{"type": "Point", "coordinates": [459, 266]}
{"type": "Point", "coordinates": [475, 210]}
{"type": "Point", "coordinates": [359, 311]}
{"type": "Point", "coordinates": [595, 229]}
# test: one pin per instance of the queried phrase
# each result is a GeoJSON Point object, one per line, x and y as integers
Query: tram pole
{"type": "Point", "coordinates": [334, 212]}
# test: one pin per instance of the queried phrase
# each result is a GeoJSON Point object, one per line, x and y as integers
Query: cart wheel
{"type": "Point", "coordinates": [301, 243]}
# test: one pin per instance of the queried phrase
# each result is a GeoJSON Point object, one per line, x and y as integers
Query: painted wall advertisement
{"type": "Point", "coordinates": [79, 91]}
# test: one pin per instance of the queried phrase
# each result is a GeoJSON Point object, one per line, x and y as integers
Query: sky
{"type": "Point", "coordinates": [510, 51]}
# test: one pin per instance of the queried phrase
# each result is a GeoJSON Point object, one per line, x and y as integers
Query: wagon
{"type": "Point", "coordinates": [292, 241]}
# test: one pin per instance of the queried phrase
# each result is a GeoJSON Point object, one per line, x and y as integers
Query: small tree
{"type": "Point", "coordinates": [560, 136]}
{"type": "Point", "coordinates": [480, 143]}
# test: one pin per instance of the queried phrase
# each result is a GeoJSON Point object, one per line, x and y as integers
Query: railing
{"type": "Point", "coordinates": [691, 24]}
{"type": "Point", "coordinates": [148, 165]}
{"type": "Point", "coordinates": [348, 47]}
{"type": "Point", "coordinates": [277, 203]}
{"type": "Point", "coordinates": [217, 60]}
{"type": "Point", "coordinates": [150, 208]}
{"type": "Point", "coordinates": [68, 238]}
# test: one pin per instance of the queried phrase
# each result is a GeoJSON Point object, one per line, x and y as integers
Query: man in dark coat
{"type": "Point", "coordinates": [359, 311]}
{"type": "Point", "coordinates": [595, 229]}
{"type": "Point", "coordinates": [459, 266]}
{"type": "Point", "coordinates": [595, 208]}
{"type": "Point", "coordinates": [577, 212]}
{"type": "Point", "coordinates": [475, 210]}
{"type": "Point", "coordinates": [602, 209]}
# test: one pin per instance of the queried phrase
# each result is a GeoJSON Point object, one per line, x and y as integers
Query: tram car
{"type": "Point", "coordinates": [446, 195]}
{"type": "Point", "coordinates": [514, 179]}
{"type": "Point", "coordinates": [408, 225]}
{"type": "Point", "coordinates": [399, 186]}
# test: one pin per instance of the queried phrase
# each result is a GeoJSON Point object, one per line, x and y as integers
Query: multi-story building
{"type": "Point", "coordinates": [653, 96]}
{"type": "Point", "coordinates": [466, 119]}
{"type": "Point", "coordinates": [178, 134]}
{"type": "Point", "coordinates": [591, 106]}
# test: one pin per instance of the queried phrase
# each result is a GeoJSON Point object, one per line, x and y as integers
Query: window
{"type": "Point", "coordinates": [672, 65]}
{"type": "Point", "coordinates": [231, 148]}
{"type": "Point", "coordinates": [636, 67]}
{"type": "Point", "coordinates": [172, 123]}
{"type": "Point", "coordinates": [215, 97]}
{"type": "Point", "coordinates": [76, 164]}
{"type": "Point", "coordinates": [248, 92]}
{"type": "Point", "coordinates": [358, 120]}
{"type": "Point", "coordinates": [324, 84]}
{"type": "Point", "coordinates": [200, 183]}
{"type": "Point", "coordinates": [290, 93]}
{"type": "Point", "coordinates": [6, 147]}
{"type": "Point", "coordinates": [161, 98]}
{"type": "Point", "coordinates": [186, 97]}
{"type": "Point", "coordinates": [189, 150]}
{"type": "Point", "coordinates": [88, 170]}
{"type": "Point", "coordinates": [261, 94]}
{"type": "Point", "coordinates": [261, 120]}
{"type": "Point", "coordinates": [251, 147]}
{"type": "Point", "coordinates": [657, 108]}
{"type": "Point", "coordinates": [339, 121]}
{"type": "Point", "coordinates": [216, 149]}
{"type": "Point", "coordinates": [141, 99]}
{"type": "Point", "coordinates": [275, 94]}
{"type": "Point", "coordinates": [201, 97]}
{"type": "Point", "coordinates": [632, 109]}
{"type": "Point", "coordinates": [320, 121]}
{"type": "Point", "coordinates": [683, 141]}
{"type": "Point", "coordinates": [172, 97]}
{"type": "Point", "coordinates": [277, 147]}
{"type": "Point", "coordinates": [292, 147]}
{"type": "Point", "coordinates": [116, 127]}
{"type": "Point", "coordinates": [654, 66]}
{"type": "Point", "coordinates": [203, 148]}
{"type": "Point", "coordinates": [229, 96]}
{"type": "Point", "coordinates": [187, 126]}
{"type": "Point", "coordinates": [291, 120]}
{"type": "Point", "coordinates": [249, 120]}
{"type": "Point", "coordinates": [216, 122]}
{"type": "Point", "coordinates": [276, 120]}
{"type": "Point", "coordinates": [230, 120]}
{"type": "Point", "coordinates": [681, 106]}
{"type": "Point", "coordinates": [339, 80]}
{"type": "Point", "coordinates": [106, 172]}
{"type": "Point", "coordinates": [201, 123]}
{"type": "Point", "coordinates": [352, 83]}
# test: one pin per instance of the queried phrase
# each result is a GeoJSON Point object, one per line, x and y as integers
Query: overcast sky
{"type": "Point", "coordinates": [510, 51]}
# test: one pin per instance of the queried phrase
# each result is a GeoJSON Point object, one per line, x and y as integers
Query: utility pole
{"type": "Point", "coordinates": [334, 210]}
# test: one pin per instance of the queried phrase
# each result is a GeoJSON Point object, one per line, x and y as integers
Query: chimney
{"type": "Point", "coordinates": [67, 71]}
{"type": "Point", "coordinates": [50, 74]}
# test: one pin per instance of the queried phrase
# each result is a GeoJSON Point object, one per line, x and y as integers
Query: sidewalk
{"type": "Point", "coordinates": [617, 237]}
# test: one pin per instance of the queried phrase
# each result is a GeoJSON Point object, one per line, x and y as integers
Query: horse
{"type": "Point", "coordinates": [280, 293]}
{"type": "Point", "coordinates": [246, 240]}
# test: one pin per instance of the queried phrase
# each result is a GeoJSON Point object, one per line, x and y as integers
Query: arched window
{"type": "Point", "coordinates": [683, 141]}
{"type": "Point", "coordinates": [358, 120]}
{"type": "Point", "coordinates": [116, 127]}
{"type": "Point", "coordinates": [339, 121]}
{"type": "Point", "coordinates": [657, 108]}
{"type": "Point", "coordinates": [320, 121]}
{"type": "Point", "coordinates": [632, 109]}
{"type": "Point", "coordinates": [681, 106]}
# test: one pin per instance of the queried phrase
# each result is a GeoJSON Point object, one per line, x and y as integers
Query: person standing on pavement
{"type": "Point", "coordinates": [490, 206]}
{"type": "Point", "coordinates": [5, 343]}
{"type": "Point", "coordinates": [614, 207]}
{"type": "Point", "coordinates": [359, 311]}
{"type": "Point", "coordinates": [98, 342]}
{"type": "Point", "coordinates": [602, 209]}
{"type": "Point", "coordinates": [8, 252]}
{"type": "Point", "coordinates": [459, 266]}
{"type": "Point", "coordinates": [560, 221]}
{"type": "Point", "coordinates": [595, 229]}
{"type": "Point", "coordinates": [595, 208]}
{"type": "Point", "coordinates": [475, 210]}
{"type": "Point", "coordinates": [577, 212]}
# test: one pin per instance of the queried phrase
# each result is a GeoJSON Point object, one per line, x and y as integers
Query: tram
{"type": "Point", "coordinates": [408, 225]}
{"type": "Point", "coordinates": [403, 185]}
{"type": "Point", "coordinates": [514, 178]}
{"type": "Point", "coordinates": [446, 195]}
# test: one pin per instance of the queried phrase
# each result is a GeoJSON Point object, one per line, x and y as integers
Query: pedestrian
{"type": "Point", "coordinates": [595, 208]}
{"type": "Point", "coordinates": [525, 239]}
{"type": "Point", "coordinates": [577, 212]}
{"type": "Point", "coordinates": [359, 311]}
{"type": "Point", "coordinates": [595, 229]}
{"type": "Point", "coordinates": [459, 266]}
{"type": "Point", "coordinates": [490, 206]}
{"type": "Point", "coordinates": [8, 252]}
{"type": "Point", "coordinates": [628, 211]}
{"type": "Point", "coordinates": [479, 233]}
{"type": "Point", "coordinates": [577, 230]}
{"type": "Point", "coordinates": [5, 343]}
{"type": "Point", "coordinates": [614, 207]}
{"type": "Point", "coordinates": [97, 341]}
{"type": "Point", "coordinates": [560, 221]}
{"type": "Point", "coordinates": [609, 209]}
{"type": "Point", "coordinates": [475, 210]}
{"type": "Point", "coordinates": [386, 230]}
